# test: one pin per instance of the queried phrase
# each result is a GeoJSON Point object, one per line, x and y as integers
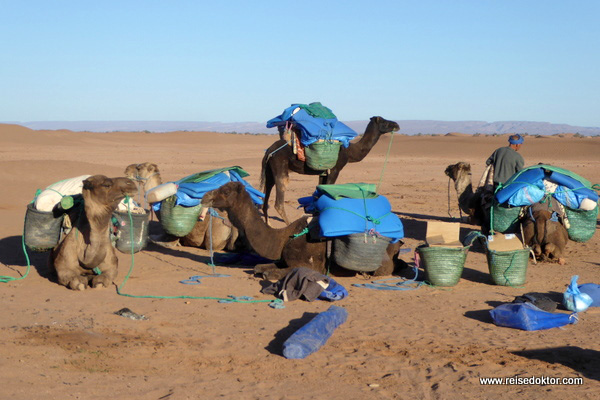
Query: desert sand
{"type": "Point", "coordinates": [427, 343]}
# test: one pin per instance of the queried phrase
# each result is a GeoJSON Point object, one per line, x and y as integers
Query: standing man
{"type": "Point", "coordinates": [506, 160]}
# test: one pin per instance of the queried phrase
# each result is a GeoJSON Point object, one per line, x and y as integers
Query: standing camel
{"type": "Point", "coordinates": [471, 203]}
{"type": "Point", "coordinates": [86, 256]}
{"type": "Point", "coordinates": [224, 236]}
{"type": "Point", "coordinates": [279, 159]}
{"type": "Point", "coordinates": [287, 245]}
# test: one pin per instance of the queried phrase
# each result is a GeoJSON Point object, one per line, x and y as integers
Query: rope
{"type": "Point", "coordinates": [229, 299]}
{"type": "Point", "coordinates": [385, 162]}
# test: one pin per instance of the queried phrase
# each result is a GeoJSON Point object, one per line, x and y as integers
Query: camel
{"type": "Point", "coordinates": [224, 236]}
{"type": "Point", "coordinates": [473, 204]}
{"type": "Point", "coordinates": [547, 238]}
{"type": "Point", "coordinates": [287, 244]}
{"type": "Point", "coordinates": [279, 159]}
{"type": "Point", "coordinates": [86, 256]}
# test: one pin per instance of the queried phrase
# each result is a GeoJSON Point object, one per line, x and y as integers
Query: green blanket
{"type": "Point", "coordinates": [349, 190]}
{"type": "Point", "coordinates": [201, 176]}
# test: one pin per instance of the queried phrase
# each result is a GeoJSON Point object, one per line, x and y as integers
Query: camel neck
{"type": "Point", "coordinates": [268, 242]}
{"type": "Point", "coordinates": [464, 190]}
{"type": "Point", "coordinates": [359, 150]}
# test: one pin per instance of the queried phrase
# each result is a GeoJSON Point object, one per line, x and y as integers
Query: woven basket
{"type": "Point", "coordinates": [178, 220]}
{"type": "Point", "coordinates": [508, 268]}
{"type": "Point", "coordinates": [505, 219]}
{"type": "Point", "coordinates": [582, 224]}
{"type": "Point", "coordinates": [321, 156]}
{"type": "Point", "coordinates": [42, 229]}
{"type": "Point", "coordinates": [443, 265]}
{"type": "Point", "coordinates": [140, 231]}
{"type": "Point", "coordinates": [353, 253]}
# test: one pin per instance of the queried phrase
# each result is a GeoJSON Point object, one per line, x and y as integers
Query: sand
{"type": "Point", "coordinates": [428, 343]}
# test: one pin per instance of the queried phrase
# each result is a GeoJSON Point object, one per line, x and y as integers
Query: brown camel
{"type": "Point", "coordinates": [547, 238]}
{"type": "Point", "coordinates": [86, 256]}
{"type": "Point", "coordinates": [279, 244]}
{"type": "Point", "coordinates": [471, 203]}
{"type": "Point", "coordinates": [279, 159]}
{"type": "Point", "coordinates": [224, 236]}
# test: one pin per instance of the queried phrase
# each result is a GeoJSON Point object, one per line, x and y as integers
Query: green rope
{"type": "Point", "coordinates": [385, 162]}
{"type": "Point", "coordinates": [301, 233]}
{"type": "Point", "coordinates": [229, 299]}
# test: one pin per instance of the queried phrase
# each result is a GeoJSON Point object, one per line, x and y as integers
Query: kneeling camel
{"type": "Point", "coordinates": [279, 244]}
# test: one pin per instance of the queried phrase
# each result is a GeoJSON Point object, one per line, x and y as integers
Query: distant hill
{"type": "Point", "coordinates": [410, 127]}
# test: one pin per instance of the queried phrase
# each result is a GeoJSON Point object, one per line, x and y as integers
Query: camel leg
{"type": "Point", "coordinates": [109, 272]}
{"type": "Point", "coordinates": [269, 183]}
{"type": "Point", "coordinates": [387, 263]}
{"type": "Point", "coordinates": [67, 269]}
{"type": "Point", "coordinates": [280, 185]}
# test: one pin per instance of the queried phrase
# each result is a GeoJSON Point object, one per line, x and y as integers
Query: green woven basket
{"type": "Point", "coordinates": [508, 268]}
{"type": "Point", "coordinates": [321, 156]}
{"type": "Point", "coordinates": [443, 265]}
{"type": "Point", "coordinates": [505, 219]}
{"type": "Point", "coordinates": [359, 252]}
{"type": "Point", "coordinates": [178, 220]}
{"type": "Point", "coordinates": [42, 229]}
{"type": "Point", "coordinates": [582, 224]}
{"type": "Point", "coordinates": [140, 231]}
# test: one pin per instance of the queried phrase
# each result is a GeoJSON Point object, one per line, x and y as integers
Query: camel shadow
{"type": "Point", "coordinates": [12, 255]}
{"type": "Point", "coordinates": [176, 252]}
{"type": "Point", "coordinates": [584, 361]}
{"type": "Point", "coordinates": [276, 345]}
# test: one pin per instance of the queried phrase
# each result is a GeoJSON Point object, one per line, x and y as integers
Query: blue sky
{"type": "Point", "coordinates": [234, 61]}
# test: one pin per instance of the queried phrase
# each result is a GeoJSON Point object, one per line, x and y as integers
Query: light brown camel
{"type": "Point", "coordinates": [473, 204]}
{"type": "Point", "coordinates": [86, 256]}
{"type": "Point", "coordinates": [279, 159]}
{"type": "Point", "coordinates": [547, 238]}
{"type": "Point", "coordinates": [224, 236]}
{"type": "Point", "coordinates": [279, 244]}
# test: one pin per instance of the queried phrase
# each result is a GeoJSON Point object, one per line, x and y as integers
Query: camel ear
{"type": "Point", "coordinates": [88, 184]}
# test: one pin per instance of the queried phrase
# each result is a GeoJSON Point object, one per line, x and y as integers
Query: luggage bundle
{"type": "Point", "coordinates": [359, 221]}
{"type": "Point", "coordinates": [320, 134]}
{"type": "Point", "coordinates": [534, 184]}
{"type": "Point", "coordinates": [180, 210]}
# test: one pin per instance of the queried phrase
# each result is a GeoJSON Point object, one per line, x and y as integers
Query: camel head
{"type": "Point", "coordinates": [224, 197]}
{"type": "Point", "coordinates": [385, 126]}
{"type": "Point", "coordinates": [105, 191]}
{"type": "Point", "coordinates": [459, 171]}
{"type": "Point", "coordinates": [141, 172]}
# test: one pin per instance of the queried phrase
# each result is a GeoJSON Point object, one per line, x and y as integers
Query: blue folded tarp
{"type": "Point", "coordinates": [189, 194]}
{"type": "Point", "coordinates": [314, 128]}
{"type": "Point", "coordinates": [347, 216]}
{"type": "Point", "coordinates": [527, 187]}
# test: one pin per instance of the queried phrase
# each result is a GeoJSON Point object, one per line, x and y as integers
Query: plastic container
{"type": "Point", "coordinates": [161, 192]}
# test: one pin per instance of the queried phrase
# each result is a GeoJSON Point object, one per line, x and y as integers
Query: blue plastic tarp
{"type": "Point", "coordinates": [313, 128]}
{"type": "Point", "coordinates": [528, 317]}
{"type": "Point", "coordinates": [348, 216]}
{"type": "Point", "coordinates": [190, 194]}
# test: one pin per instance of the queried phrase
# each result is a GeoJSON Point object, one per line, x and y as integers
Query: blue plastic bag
{"type": "Point", "coordinates": [528, 317]}
{"type": "Point", "coordinates": [592, 290]}
{"type": "Point", "coordinates": [573, 299]}
{"type": "Point", "coordinates": [315, 333]}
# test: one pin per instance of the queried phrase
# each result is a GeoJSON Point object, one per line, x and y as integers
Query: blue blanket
{"type": "Point", "coordinates": [313, 128]}
{"type": "Point", "coordinates": [190, 194]}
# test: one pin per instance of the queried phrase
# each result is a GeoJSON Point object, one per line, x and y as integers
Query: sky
{"type": "Point", "coordinates": [238, 61]}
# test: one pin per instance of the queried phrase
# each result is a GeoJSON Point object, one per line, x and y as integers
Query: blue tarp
{"type": "Point", "coordinates": [528, 317]}
{"type": "Point", "coordinates": [527, 187]}
{"type": "Point", "coordinates": [190, 194]}
{"type": "Point", "coordinates": [347, 216]}
{"type": "Point", "coordinates": [313, 128]}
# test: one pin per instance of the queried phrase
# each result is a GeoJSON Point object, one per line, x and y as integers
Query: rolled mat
{"type": "Point", "coordinates": [314, 334]}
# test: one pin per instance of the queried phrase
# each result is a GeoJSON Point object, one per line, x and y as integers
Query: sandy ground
{"type": "Point", "coordinates": [429, 343]}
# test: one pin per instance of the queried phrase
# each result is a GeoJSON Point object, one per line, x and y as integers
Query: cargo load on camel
{"type": "Point", "coordinates": [314, 133]}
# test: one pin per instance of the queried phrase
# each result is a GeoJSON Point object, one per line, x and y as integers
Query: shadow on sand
{"type": "Point", "coordinates": [584, 361]}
